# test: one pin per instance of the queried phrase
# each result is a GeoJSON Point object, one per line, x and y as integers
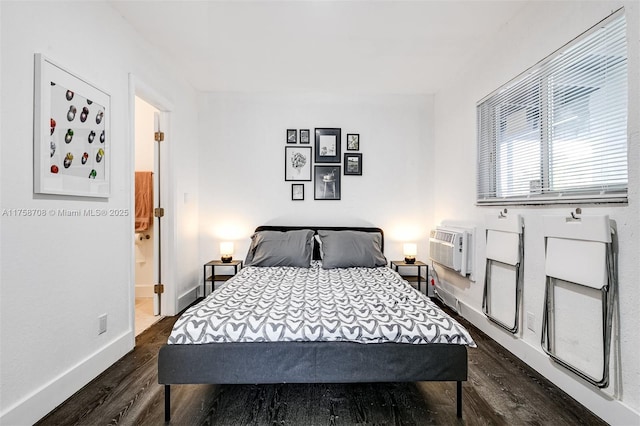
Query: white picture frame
{"type": "Point", "coordinates": [71, 134]}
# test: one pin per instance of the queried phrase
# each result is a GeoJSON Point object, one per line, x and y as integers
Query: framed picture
{"type": "Point", "coordinates": [71, 134]}
{"type": "Point", "coordinates": [353, 141]}
{"type": "Point", "coordinates": [305, 136]}
{"type": "Point", "coordinates": [328, 146]}
{"type": "Point", "coordinates": [297, 163]}
{"type": "Point", "coordinates": [291, 136]}
{"type": "Point", "coordinates": [353, 164]}
{"type": "Point", "coordinates": [297, 191]}
{"type": "Point", "coordinates": [327, 183]}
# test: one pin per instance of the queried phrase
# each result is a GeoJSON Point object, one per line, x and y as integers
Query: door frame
{"type": "Point", "coordinates": [168, 304]}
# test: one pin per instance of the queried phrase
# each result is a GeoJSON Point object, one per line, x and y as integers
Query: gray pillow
{"type": "Point", "coordinates": [346, 249]}
{"type": "Point", "coordinates": [276, 248]}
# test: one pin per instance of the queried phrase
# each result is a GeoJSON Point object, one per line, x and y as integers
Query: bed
{"type": "Point", "coordinates": [314, 305]}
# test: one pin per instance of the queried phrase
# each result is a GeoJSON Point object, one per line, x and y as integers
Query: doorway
{"type": "Point", "coordinates": [146, 232]}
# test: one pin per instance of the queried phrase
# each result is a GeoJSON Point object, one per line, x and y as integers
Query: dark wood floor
{"type": "Point", "coordinates": [501, 390]}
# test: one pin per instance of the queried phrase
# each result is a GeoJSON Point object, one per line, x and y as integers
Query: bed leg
{"type": "Point", "coordinates": [167, 402]}
{"type": "Point", "coordinates": [459, 400]}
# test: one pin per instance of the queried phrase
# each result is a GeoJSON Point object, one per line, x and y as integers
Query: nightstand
{"type": "Point", "coordinates": [213, 277]}
{"type": "Point", "coordinates": [395, 264]}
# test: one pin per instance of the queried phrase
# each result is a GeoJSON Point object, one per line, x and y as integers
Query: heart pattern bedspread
{"type": "Point", "coordinates": [277, 304]}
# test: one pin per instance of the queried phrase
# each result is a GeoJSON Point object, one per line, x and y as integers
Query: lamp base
{"type": "Point", "coordinates": [409, 260]}
{"type": "Point", "coordinates": [226, 259]}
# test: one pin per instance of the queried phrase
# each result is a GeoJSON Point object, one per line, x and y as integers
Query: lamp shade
{"type": "Point", "coordinates": [410, 249]}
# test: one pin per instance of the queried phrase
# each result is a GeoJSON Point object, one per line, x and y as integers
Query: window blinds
{"type": "Point", "coordinates": [558, 132]}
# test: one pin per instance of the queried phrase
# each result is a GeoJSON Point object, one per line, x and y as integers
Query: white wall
{"type": "Point", "coordinates": [541, 28]}
{"type": "Point", "coordinates": [144, 130]}
{"type": "Point", "coordinates": [58, 274]}
{"type": "Point", "coordinates": [242, 166]}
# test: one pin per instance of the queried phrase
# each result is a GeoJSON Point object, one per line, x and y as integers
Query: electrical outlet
{"type": "Point", "coordinates": [102, 324]}
{"type": "Point", "coordinates": [531, 321]}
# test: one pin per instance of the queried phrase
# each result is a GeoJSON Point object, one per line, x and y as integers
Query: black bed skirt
{"type": "Point", "coordinates": [310, 362]}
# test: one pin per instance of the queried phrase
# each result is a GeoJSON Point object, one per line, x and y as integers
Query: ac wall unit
{"type": "Point", "coordinates": [450, 247]}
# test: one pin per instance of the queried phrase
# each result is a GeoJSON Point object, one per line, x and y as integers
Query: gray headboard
{"type": "Point", "coordinates": [316, 248]}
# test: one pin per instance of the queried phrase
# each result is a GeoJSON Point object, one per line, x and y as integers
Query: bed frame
{"type": "Point", "coordinates": [310, 362]}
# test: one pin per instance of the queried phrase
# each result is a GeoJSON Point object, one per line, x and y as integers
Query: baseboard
{"type": "Point", "coordinates": [42, 401]}
{"type": "Point", "coordinates": [613, 411]}
{"type": "Point", "coordinates": [144, 290]}
{"type": "Point", "coordinates": [447, 298]}
{"type": "Point", "coordinates": [187, 298]}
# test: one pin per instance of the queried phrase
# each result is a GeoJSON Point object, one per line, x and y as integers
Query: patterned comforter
{"type": "Point", "coordinates": [277, 304]}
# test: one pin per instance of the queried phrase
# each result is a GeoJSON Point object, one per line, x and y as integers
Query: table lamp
{"type": "Point", "coordinates": [226, 252]}
{"type": "Point", "coordinates": [410, 250]}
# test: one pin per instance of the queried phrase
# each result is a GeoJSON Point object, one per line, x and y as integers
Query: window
{"type": "Point", "coordinates": [558, 132]}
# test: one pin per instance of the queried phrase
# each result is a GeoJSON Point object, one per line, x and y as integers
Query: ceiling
{"type": "Point", "coordinates": [368, 47]}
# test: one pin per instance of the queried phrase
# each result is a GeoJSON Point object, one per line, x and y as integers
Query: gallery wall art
{"type": "Point", "coordinates": [326, 174]}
